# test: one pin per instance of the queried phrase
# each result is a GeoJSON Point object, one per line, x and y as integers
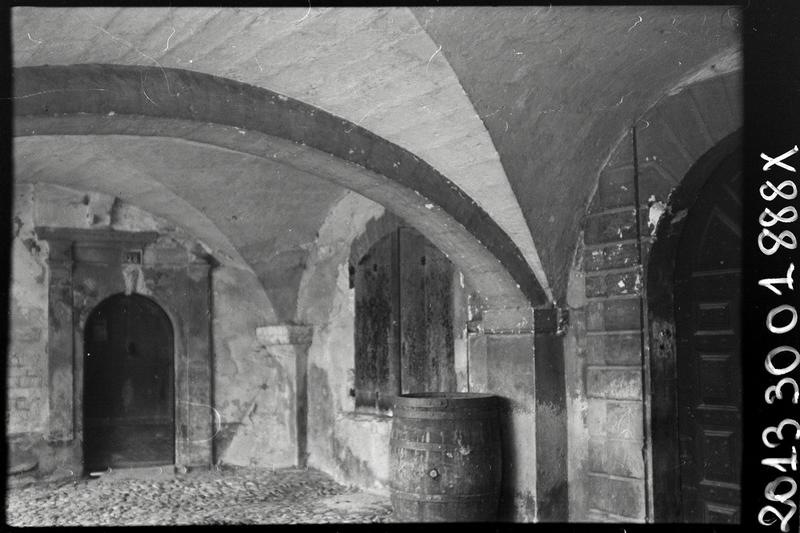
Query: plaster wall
{"type": "Point", "coordinates": [352, 446]}
{"type": "Point", "coordinates": [27, 351]}
{"type": "Point", "coordinates": [254, 385]}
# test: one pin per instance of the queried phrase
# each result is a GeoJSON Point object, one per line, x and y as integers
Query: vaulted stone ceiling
{"type": "Point", "coordinates": [243, 208]}
{"type": "Point", "coordinates": [556, 88]}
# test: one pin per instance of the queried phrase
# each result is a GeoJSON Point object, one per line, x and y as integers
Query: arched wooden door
{"type": "Point", "coordinates": [707, 300]}
{"type": "Point", "coordinates": [128, 411]}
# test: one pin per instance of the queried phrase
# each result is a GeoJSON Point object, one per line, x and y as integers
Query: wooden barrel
{"type": "Point", "coordinates": [445, 457]}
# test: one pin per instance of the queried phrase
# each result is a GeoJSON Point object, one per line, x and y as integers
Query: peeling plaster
{"type": "Point", "coordinates": [655, 212]}
{"type": "Point", "coordinates": [352, 447]}
{"type": "Point", "coordinates": [726, 61]}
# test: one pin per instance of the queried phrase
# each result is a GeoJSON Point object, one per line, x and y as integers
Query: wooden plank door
{"type": "Point", "coordinates": [404, 320]}
{"type": "Point", "coordinates": [376, 321]}
{"type": "Point", "coordinates": [426, 316]}
{"type": "Point", "coordinates": [128, 400]}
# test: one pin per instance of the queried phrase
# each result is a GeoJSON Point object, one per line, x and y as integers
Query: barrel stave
{"type": "Point", "coordinates": [446, 460]}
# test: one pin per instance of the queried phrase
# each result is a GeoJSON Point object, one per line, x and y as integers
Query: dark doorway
{"type": "Point", "coordinates": [128, 411]}
{"type": "Point", "coordinates": [707, 299]}
{"type": "Point", "coordinates": [403, 320]}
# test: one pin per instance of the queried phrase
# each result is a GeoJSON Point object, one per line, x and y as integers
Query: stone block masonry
{"type": "Point", "coordinates": [609, 381]}
{"type": "Point", "coordinates": [615, 469]}
{"type": "Point", "coordinates": [26, 363]}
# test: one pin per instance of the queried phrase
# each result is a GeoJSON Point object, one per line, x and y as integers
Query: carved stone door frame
{"type": "Point", "coordinates": [88, 266]}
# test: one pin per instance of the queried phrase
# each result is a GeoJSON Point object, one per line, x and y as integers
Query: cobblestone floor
{"type": "Point", "coordinates": [222, 496]}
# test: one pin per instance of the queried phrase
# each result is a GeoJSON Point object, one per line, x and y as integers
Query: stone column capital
{"type": "Point", "coordinates": [282, 334]}
{"type": "Point", "coordinates": [518, 321]}
{"type": "Point", "coordinates": [505, 320]}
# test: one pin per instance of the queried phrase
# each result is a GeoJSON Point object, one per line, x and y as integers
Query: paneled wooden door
{"type": "Point", "coordinates": [128, 385]}
{"type": "Point", "coordinates": [707, 318]}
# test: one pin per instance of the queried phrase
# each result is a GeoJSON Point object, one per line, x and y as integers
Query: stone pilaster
{"type": "Point", "coordinates": [288, 342]}
{"type": "Point", "coordinates": [510, 357]}
{"type": "Point", "coordinates": [61, 384]}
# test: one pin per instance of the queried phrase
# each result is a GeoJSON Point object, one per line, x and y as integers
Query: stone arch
{"type": "Point", "coordinates": [91, 302]}
{"type": "Point", "coordinates": [609, 288]}
{"type": "Point", "coordinates": [144, 101]}
{"type": "Point", "coordinates": [96, 300]}
{"type": "Point", "coordinates": [375, 230]}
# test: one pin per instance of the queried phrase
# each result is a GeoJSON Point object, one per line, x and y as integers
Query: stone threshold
{"type": "Point", "coordinates": [140, 472]}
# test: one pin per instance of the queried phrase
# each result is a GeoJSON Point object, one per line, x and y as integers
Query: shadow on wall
{"type": "Point", "coordinates": [507, 510]}
{"type": "Point", "coordinates": [534, 433]}
{"type": "Point", "coordinates": [549, 504]}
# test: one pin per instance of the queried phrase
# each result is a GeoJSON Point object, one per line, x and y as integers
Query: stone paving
{"type": "Point", "coordinates": [221, 496]}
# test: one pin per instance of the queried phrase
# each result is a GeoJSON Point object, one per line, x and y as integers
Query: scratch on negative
{"type": "Point", "coordinates": [635, 24]}
{"type": "Point", "coordinates": [217, 416]}
{"type": "Point", "coordinates": [734, 21]}
{"type": "Point", "coordinates": [144, 92]}
{"type": "Point", "coordinates": [168, 38]}
{"type": "Point", "coordinates": [432, 56]}
{"type": "Point", "coordinates": [621, 99]}
{"type": "Point", "coordinates": [552, 110]}
{"type": "Point", "coordinates": [51, 91]}
{"type": "Point", "coordinates": [114, 37]}
{"type": "Point", "coordinates": [37, 41]}
{"type": "Point", "coordinates": [146, 96]}
{"type": "Point", "coordinates": [674, 20]}
{"type": "Point", "coordinates": [361, 119]}
{"type": "Point", "coordinates": [308, 12]}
